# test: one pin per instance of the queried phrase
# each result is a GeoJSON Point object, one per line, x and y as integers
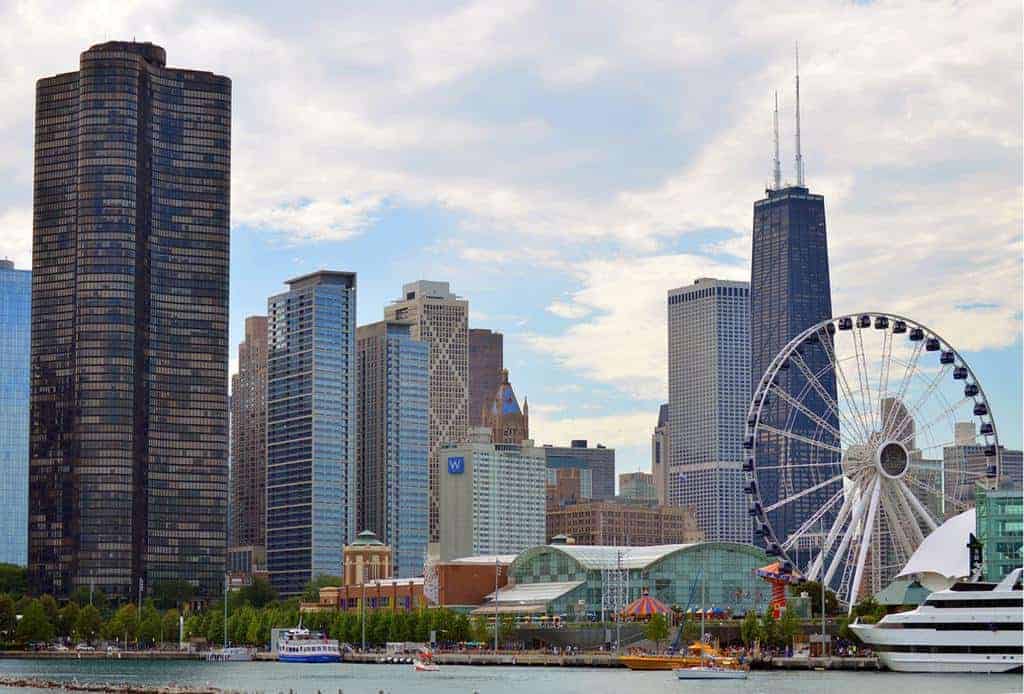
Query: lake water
{"type": "Point", "coordinates": [271, 677]}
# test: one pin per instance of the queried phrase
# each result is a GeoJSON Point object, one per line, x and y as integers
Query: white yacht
{"type": "Point", "coordinates": [971, 627]}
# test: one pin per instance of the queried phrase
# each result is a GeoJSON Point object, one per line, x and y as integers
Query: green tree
{"type": "Point", "coordinates": [259, 593]}
{"type": "Point", "coordinates": [750, 629]}
{"type": "Point", "coordinates": [769, 628]}
{"type": "Point", "coordinates": [88, 623]}
{"type": "Point", "coordinates": [168, 594]}
{"type": "Point", "coordinates": [311, 593]}
{"type": "Point", "coordinates": [479, 629]}
{"type": "Point", "coordinates": [66, 620]}
{"type": "Point", "coordinates": [461, 628]}
{"type": "Point", "coordinates": [214, 628]}
{"type": "Point", "coordinates": [81, 598]}
{"type": "Point", "coordinates": [50, 607]}
{"type": "Point", "coordinates": [8, 618]}
{"type": "Point", "coordinates": [789, 626]}
{"type": "Point", "coordinates": [34, 626]}
{"type": "Point", "coordinates": [656, 629]}
{"type": "Point", "coordinates": [123, 626]}
{"type": "Point", "coordinates": [169, 626]}
{"type": "Point", "coordinates": [813, 590]}
{"type": "Point", "coordinates": [150, 625]}
{"type": "Point", "coordinates": [691, 630]}
{"type": "Point", "coordinates": [13, 580]}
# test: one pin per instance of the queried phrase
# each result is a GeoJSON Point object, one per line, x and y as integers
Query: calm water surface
{"type": "Point", "coordinates": [372, 679]}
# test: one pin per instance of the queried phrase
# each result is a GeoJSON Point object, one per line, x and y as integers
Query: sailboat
{"type": "Point", "coordinates": [228, 654]}
{"type": "Point", "coordinates": [720, 669]}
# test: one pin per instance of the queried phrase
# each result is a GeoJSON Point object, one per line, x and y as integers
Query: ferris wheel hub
{"type": "Point", "coordinates": [892, 459]}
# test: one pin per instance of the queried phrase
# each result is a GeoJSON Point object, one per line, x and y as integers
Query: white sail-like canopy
{"type": "Point", "coordinates": [943, 556]}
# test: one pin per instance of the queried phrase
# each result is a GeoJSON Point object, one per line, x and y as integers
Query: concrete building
{"type": "Point", "coordinates": [248, 508]}
{"type": "Point", "coordinates": [599, 460]}
{"type": "Point", "coordinates": [660, 446]}
{"type": "Point", "coordinates": [393, 409]}
{"type": "Point", "coordinates": [15, 350]}
{"type": "Point", "coordinates": [492, 497]}
{"type": "Point", "coordinates": [638, 488]}
{"type": "Point", "coordinates": [486, 361]}
{"type": "Point", "coordinates": [503, 416]}
{"type": "Point", "coordinates": [366, 559]}
{"type": "Point", "coordinates": [441, 320]}
{"type": "Point", "coordinates": [709, 392]}
{"type": "Point", "coordinates": [619, 523]}
{"type": "Point", "coordinates": [128, 480]}
{"type": "Point", "coordinates": [311, 428]}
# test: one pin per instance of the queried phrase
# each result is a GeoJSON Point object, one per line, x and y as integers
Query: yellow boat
{"type": "Point", "coordinates": [698, 652]}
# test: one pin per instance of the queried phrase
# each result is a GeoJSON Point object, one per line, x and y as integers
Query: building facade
{"type": "Point", "coordinates": [15, 348]}
{"type": "Point", "coordinates": [492, 497]}
{"type": "Point", "coordinates": [569, 482]}
{"type": "Point", "coordinates": [618, 523]}
{"type": "Point", "coordinates": [660, 446]}
{"type": "Point", "coordinates": [393, 409]}
{"type": "Point", "coordinates": [790, 291]}
{"type": "Point", "coordinates": [311, 428]}
{"type": "Point", "coordinates": [709, 392]}
{"type": "Point", "coordinates": [1000, 527]}
{"type": "Point", "coordinates": [507, 421]}
{"type": "Point", "coordinates": [441, 320]}
{"type": "Point", "coordinates": [598, 459]}
{"type": "Point", "coordinates": [248, 510]}
{"type": "Point", "coordinates": [671, 573]}
{"type": "Point", "coordinates": [486, 361]}
{"type": "Point", "coordinates": [129, 415]}
{"type": "Point", "coordinates": [638, 488]}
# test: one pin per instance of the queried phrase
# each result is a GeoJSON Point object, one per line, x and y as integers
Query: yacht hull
{"type": "Point", "coordinates": [950, 662]}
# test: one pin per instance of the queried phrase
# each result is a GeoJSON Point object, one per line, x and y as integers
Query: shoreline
{"type": "Point", "coordinates": [592, 660]}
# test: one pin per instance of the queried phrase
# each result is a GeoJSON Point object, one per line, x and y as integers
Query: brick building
{"type": "Point", "coordinates": [611, 523]}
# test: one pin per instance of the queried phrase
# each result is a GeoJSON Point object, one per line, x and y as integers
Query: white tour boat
{"type": "Point", "coordinates": [971, 627]}
{"type": "Point", "coordinates": [303, 646]}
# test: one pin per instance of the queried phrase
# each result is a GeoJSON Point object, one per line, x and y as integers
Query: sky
{"type": "Point", "coordinates": [563, 165]}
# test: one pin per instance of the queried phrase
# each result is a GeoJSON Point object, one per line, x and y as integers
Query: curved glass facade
{"type": "Point", "coordinates": [671, 573]}
{"type": "Point", "coordinates": [15, 315]}
{"type": "Point", "coordinates": [128, 473]}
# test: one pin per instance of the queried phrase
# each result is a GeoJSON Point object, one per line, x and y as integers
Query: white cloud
{"type": "Point", "coordinates": [614, 431]}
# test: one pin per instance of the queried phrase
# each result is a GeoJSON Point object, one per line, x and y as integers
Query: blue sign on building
{"type": "Point", "coordinates": [456, 465]}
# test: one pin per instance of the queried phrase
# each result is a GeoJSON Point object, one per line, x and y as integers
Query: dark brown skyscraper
{"type": "Point", "coordinates": [485, 364]}
{"type": "Point", "coordinates": [128, 460]}
{"type": "Point", "coordinates": [248, 524]}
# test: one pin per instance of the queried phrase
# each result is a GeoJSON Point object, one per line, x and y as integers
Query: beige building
{"type": "Point", "coordinates": [492, 497]}
{"type": "Point", "coordinates": [366, 559]}
{"type": "Point", "coordinates": [660, 447]}
{"type": "Point", "coordinates": [440, 319]}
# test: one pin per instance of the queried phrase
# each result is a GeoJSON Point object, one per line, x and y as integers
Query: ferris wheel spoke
{"type": "Point", "coordinates": [833, 532]}
{"type": "Point", "coordinates": [893, 511]}
{"type": "Point", "coordinates": [931, 388]}
{"type": "Point", "coordinates": [830, 402]}
{"type": "Point", "coordinates": [806, 412]}
{"type": "Point", "coordinates": [909, 370]}
{"type": "Point", "coordinates": [883, 372]}
{"type": "Point", "coordinates": [803, 492]}
{"type": "Point", "coordinates": [916, 504]}
{"type": "Point", "coordinates": [862, 424]}
{"type": "Point", "coordinates": [789, 466]}
{"type": "Point", "coordinates": [865, 538]}
{"type": "Point", "coordinates": [908, 514]}
{"type": "Point", "coordinates": [840, 555]}
{"type": "Point", "coordinates": [864, 377]}
{"type": "Point", "coordinates": [799, 437]}
{"type": "Point", "coordinates": [812, 520]}
{"type": "Point", "coordinates": [942, 417]}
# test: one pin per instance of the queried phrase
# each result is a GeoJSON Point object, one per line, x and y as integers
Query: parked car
{"type": "Point", "coordinates": [84, 647]}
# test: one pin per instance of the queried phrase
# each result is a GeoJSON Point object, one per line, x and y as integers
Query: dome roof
{"type": "Point", "coordinates": [367, 537]}
{"type": "Point", "coordinates": [944, 551]}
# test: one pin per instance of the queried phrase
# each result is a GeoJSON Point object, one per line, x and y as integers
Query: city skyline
{"type": "Point", "coordinates": [673, 217]}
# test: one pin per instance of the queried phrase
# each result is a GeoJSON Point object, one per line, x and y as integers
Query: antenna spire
{"type": "Point", "coordinates": [799, 155]}
{"type": "Point", "coordinates": [776, 165]}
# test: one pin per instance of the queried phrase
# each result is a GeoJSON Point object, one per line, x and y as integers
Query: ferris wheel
{"type": "Point", "coordinates": [865, 433]}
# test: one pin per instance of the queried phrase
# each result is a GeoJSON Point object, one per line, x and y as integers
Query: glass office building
{"type": "Point", "coordinates": [15, 331]}
{"type": "Point", "coordinates": [674, 574]}
{"type": "Point", "coordinates": [129, 387]}
{"type": "Point", "coordinates": [790, 292]}
{"type": "Point", "coordinates": [393, 420]}
{"type": "Point", "coordinates": [1000, 527]}
{"type": "Point", "coordinates": [311, 428]}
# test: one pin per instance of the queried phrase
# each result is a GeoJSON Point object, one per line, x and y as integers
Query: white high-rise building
{"type": "Point", "coordinates": [441, 320]}
{"type": "Point", "coordinates": [492, 496]}
{"type": "Point", "coordinates": [709, 392]}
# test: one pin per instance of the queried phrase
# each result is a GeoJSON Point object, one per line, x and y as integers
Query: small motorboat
{"type": "Point", "coordinates": [424, 662]}
{"type": "Point", "coordinates": [710, 672]}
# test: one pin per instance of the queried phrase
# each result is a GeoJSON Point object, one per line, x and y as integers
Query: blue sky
{"type": "Point", "coordinates": [564, 165]}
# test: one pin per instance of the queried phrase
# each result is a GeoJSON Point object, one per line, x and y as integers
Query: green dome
{"type": "Point", "coordinates": [367, 537]}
